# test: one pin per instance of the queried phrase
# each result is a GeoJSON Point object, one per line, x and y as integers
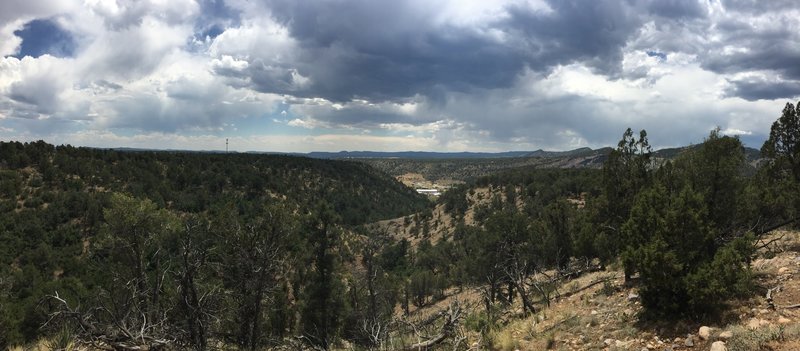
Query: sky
{"type": "Point", "coordinates": [394, 75]}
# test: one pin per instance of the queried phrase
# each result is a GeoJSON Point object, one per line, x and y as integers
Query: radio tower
{"type": "Point", "coordinates": [226, 145]}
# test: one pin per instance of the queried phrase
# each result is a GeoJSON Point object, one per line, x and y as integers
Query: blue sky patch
{"type": "Point", "coordinates": [660, 55]}
{"type": "Point", "coordinates": [43, 36]}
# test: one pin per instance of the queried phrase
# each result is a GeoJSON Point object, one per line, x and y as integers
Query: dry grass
{"type": "Point", "coordinates": [745, 339]}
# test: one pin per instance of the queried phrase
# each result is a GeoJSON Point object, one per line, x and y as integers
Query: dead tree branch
{"type": "Point", "coordinates": [451, 319]}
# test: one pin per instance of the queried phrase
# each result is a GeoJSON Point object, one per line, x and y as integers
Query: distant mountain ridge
{"type": "Point", "coordinates": [580, 152]}
{"type": "Point", "coordinates": [464, 166]}
{"type": "Point", "coordinates": [751, 154]}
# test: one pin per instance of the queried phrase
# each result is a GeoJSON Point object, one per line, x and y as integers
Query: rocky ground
{"type": "Point", "coordinates": [606, 316]}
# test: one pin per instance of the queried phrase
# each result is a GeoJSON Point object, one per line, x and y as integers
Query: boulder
{"type": "Point", "coordinates": [724, 336]}
{"type": "Point", "coordinates": [784, 320]}
{"type": "Point", "coordinates": [689, 342]}
{"type": "Point", "coordinates": [704, 332]}
{"type": "Point", "coordinates": [718, 346]}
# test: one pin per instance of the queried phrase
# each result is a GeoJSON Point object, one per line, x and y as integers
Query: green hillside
{"type": "Point", "coordinates": [55, 200]}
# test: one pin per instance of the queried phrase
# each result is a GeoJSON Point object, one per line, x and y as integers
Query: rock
{"type": "Point", "coordinates": [593, 312]}
{"type": "Point", "coordinates": [783, 270]}
{"type": "Point", "coordinates": [718, 346]}
{"type": "Point", "coordinates": [724, 336]}
{"type": "Point", "coordinates": [689, 342]}
{"type": "Point", "coordinates": [622, 344]}
{"type": "Point", "coordinates": [633, 297]}
{"type": "Point", "coordinates": [608, 342]}
{"type": "Point", "coordinates": [704, 332]}
{"type": "Point", "coordinates": [784, 320]}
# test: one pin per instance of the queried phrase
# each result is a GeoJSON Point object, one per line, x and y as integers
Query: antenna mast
{"type": "Point", "coordinates": [226, 145]}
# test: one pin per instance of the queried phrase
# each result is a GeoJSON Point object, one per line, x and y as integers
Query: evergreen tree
{"type": "Point", "coordinates": [782, 149]}
{"type": "Point", "coordinates": [781, 175]}
{"type": "Point", "coordinates": [627, 170]}
{"type": "Point", "coordinates": [322, 291]}
{"type": "Point", "coordinates": [683, 236]}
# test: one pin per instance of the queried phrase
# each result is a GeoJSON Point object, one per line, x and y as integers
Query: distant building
{"type": "Point", "coordinates": [433, 192]}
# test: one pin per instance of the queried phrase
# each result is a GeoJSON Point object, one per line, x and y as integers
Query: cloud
{"type": "Point", "coordinates": [756, 6]}
{"type": "Point", "coordinates": [765, 41]}
{"type": "Point", "coordinates": [681, 9]}
{"type": "Point", "coordinates": [33, 87]}
{"type": "Point", "coordinates": [446, 75]}
{"type": "Point", "coordinates": [762, 88]}
{"type": "Point", "coordinates": [730, 131]}
{"type": "Point", "coordinates": [229, 66]}
{"type": "Point", "coordinates": [409, 51]}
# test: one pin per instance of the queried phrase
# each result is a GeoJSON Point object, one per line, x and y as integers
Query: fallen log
{"type": "Point", "coordinates": [452, 316]}
{"type": "Point", "coordinates": [425, 345]}
{"type": "Point", "coordinates": [770, 302]}
{"type": "Point", "coordinates": [568, 294]}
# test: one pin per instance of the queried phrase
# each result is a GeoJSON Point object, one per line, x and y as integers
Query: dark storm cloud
{"type": "Point", "coordinates": [388, 50]}
{"type": "Point", "coordinates": [769, 45]}
{"type": "Point", "coordinates": [384, 51]}
{"type": "Point", "coordinates": [763, 89]}
{"type": "Point", "coordinates": [778, 54]}
{"type": "Point", "coordinates": [592, 32]}
{"type": "Point", "coordinates": [393, 51]}
{"type": "Point", "coordinates": [680, 9]}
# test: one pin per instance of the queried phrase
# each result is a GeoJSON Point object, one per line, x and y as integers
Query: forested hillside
{"type": "Point", "coordinates": [682, 228]}
{"type": "Point", "coordinates": [162, 250]}
{"type": "Point", "coordinates": [696, 213]}
{"type": "Point", "coordinates": [64, 216]}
